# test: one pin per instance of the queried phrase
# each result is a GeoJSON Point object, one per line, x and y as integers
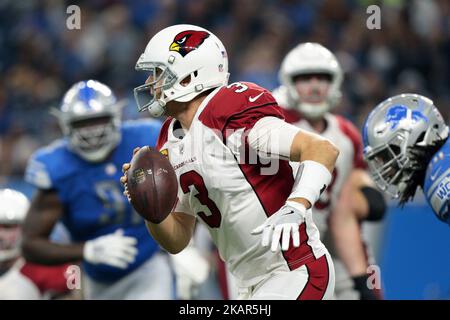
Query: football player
{"type": "Point", "coordinates": [311, 78]}
{"type": "Point", "coordinates": [406, 146]}
{"type": "Point", "coordinates": [77, 180]}
{"type": "Point", "coordinates": [20, 280]}
{"type": "Point", "coordinates": [230, 147]}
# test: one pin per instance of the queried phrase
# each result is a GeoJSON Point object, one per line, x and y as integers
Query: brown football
{"type": "Point", "coordinates": [152, 184]}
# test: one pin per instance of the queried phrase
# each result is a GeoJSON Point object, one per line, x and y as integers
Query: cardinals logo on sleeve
{"type": "Point", "coordinates": [187, 41]}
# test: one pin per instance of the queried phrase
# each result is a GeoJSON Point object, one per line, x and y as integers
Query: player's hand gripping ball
{"type": "Point", "coordinates": [150, 184]}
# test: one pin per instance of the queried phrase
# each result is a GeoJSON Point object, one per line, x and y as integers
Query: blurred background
{"type": "Point", "coordinates": [40, 59]}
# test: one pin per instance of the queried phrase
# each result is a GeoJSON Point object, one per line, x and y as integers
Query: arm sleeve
{"type": "Point", "coordinates": [272, 137]}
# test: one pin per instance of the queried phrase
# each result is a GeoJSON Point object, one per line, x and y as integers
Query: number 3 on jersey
{"type": "Point", "coordinates": [192, 178]}
{"type": "Point", "coordinates": [240, 87]}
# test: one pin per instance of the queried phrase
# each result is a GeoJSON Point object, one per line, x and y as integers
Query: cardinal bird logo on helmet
{"type": "Point", "coordinates": [187, 41]}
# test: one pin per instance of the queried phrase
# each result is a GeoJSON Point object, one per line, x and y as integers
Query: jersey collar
{"type": "Point", "coordinates": [200, 109]}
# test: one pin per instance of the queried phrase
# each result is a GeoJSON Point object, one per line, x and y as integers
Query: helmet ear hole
{"type": "Point", "coordinates": [420, 138]}
{"type": "Point", "coordinates": [186, 81]}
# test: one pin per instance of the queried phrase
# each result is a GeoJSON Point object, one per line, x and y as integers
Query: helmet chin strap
{"type": "Point", "coordinates": [313, 111]}
{"type": "Point", "coordinates": [157, 108]}
{"type": "Point", "coordinates": [6, 255]}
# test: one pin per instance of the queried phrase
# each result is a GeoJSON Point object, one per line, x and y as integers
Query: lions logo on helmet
{"type": "Point", "coordinates": [187, 41]}
{"type": "Point", "coordinates": [398, 113]}
{"type": "Point", "coordinates": [392, 133]}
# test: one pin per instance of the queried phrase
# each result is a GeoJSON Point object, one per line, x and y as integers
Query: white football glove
{"type": "Point", "coordinates": [282, 225]}
{"type": "Point", "coordinates": [191, 270]}
{"type": "Point", "coordinates": [114, 249]}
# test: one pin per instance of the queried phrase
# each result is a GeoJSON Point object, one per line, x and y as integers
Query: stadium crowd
{"type": "Point", "coordinates": [40, 57]}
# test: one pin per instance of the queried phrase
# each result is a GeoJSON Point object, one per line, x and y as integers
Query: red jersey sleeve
{"type": "Point", "coordinates": [163, 134]}
{"type": "Point", "coordinates": [47, 278]}
{"type": "Point", "coordinates": [291, 115]}
{"type": "Point", "coordinates": [239, 105]}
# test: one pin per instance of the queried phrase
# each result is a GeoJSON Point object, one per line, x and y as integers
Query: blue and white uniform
{"type": "Point", "coordinates": [437, 183]}
{"type": "Point", "coordinates": [94, 205]}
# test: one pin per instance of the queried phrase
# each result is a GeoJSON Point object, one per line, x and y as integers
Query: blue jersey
{"type": "Point", "coordinates": [437, 183]}
{"type": "Point", "coordinates": [92, 195]}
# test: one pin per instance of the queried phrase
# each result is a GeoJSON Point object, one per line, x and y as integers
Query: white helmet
{"type": "Point", "coordinates": [90, 118]}
{"type": "Point", "coordinates": [13, 209]}
{"type": "Point", "coordinates": [309, 58]}
{"type": "Point", "coordinates": [177, 54]}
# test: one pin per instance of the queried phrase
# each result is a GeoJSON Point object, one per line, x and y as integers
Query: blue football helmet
{"type": "Point", "coordinates": [392, 131]}
{"type": "Point", "coordinates": [90, 118]}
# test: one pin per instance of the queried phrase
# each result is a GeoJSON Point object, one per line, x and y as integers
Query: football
{"type": "Point", "coordinates": [152, 184]}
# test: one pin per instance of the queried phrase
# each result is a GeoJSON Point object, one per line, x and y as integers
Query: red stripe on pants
{"type": "Point", "coordinates": [318, 278]}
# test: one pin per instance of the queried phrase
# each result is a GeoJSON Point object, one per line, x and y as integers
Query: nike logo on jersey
{"type": "Point", "coordinates": [285, 214]}
{"type": "Point", "coordinates": [253, 99]}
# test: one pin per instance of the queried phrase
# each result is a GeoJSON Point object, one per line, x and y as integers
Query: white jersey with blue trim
{"type": "Point", "coordinates": [437, 183]}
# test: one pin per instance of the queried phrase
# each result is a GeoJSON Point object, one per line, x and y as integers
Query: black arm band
{"type": "Point", "coordinates": [360, 285]}
{"type": "Point", "coordinates": [376, 202]}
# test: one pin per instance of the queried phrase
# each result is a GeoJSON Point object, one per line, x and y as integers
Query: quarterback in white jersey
{"type": "Point", "coordinates": [230, 147]}
{"type": "Point", "coordinates": [311, 78]}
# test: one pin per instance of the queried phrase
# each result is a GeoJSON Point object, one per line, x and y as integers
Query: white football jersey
{"type": "Point", "coordinates": [347, 138]}
{"type": "Point", "coordinates": [230, 189]}
{"type": "Point", "coordinates": [16, 286]}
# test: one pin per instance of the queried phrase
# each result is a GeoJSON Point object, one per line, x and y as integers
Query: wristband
{"type": "Point", "coordinates": [311, 180]}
